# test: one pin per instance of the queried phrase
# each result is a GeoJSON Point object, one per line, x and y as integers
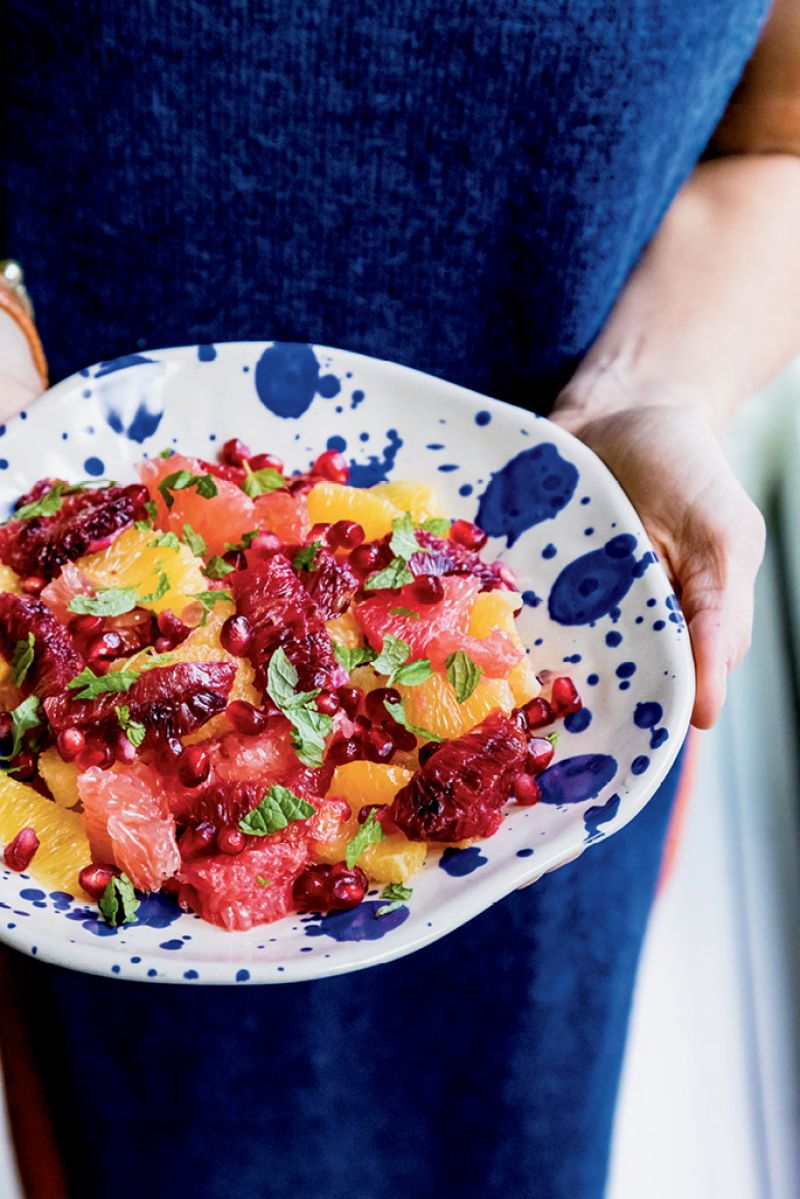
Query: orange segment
{"type": "Point", "coordinates": [368, 782]}
{"type": "Point", "coordinates": [9, 579]}
{"type": "Point", "coordinates": [329, 502]}
{"type": "Point", "coordinates": [394, 859]}
{"type": "Point", "coordinates": [420, 499]}
{"type": "Point", "coordinates": [130, 561]}
{"type": "Point", "coordinates": [61, 778]}
{"type": "Point", "coordinates": [64, 846]}
{"type": "Point", "coordinates": [433, 705]}
{"type": "Point", "coordinates": [495, 610]}
{"type": "Point", "coordinates": [346, 630]}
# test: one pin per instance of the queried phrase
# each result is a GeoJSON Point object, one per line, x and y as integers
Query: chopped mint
{"type": "Point", "coordinates": [93, 685]}
{"type": "Point", "coordinates": [259, 482]}
{"type": "Point", "coordinates": [143, 526]}
{"type": "Point", "coordinates": [245, 543]}
{"type": "Point", "coordinates": [279, 808]}
{"type": "Point", "coordinates": [134, 730]}
{"type": "Point", "coordinates": [209, 598]}
{"type": "Point", "coordinates": [405, 612]}
{"type": "Point", "coordinates": [23, 718]}
{"type": "Point", "coordinates": [397, 895]}
{"type": "Point", "coordinates": [310, 727]}
{"type": "Point", "coordinates": [438, 525]}
{"type": "Point", "coordinates": [217, 568]}
{"type": "Point", "coordinates": [165, 453]}
{"type": "Point", "coordinates": [118, 903]}
{"type": "Point", "coordinates": [370, 833]}
{"type": "Point", "coordinates": [205, 485]}
{"type": "Point", "coordinates": [109, 601]}
{"type": "Point", "coordinates": [22, 660]}
{"type": "Point", "coordinates": [398, 713]}
{"type": "Point", "coordinates": [161, 590]}
{"type": "Point", "coordinates": [552, 738]}
{"type": "Point", "coordinates": [404, 542]}
{"type": "Point", "coordinates": [46, 505]}
{"type": "Point", "coordinates": [304, 558]}
{"type": "Point", "coordinates": [151, 508]}
{"type": "Point", "coordinates": [351, 657]}
{"type": "Point", "coordinates": [195, 542]}
{"type": "Point", "coordinates": [396, 574]}
{"type": "Point", "coordinates": [392, 661]}
{"type": "Point", "coordinates": [167, 540]}
{"type": "Point", "coordinates": [264, 882]}
{"type": "Point", "coordinates": [463, 673]}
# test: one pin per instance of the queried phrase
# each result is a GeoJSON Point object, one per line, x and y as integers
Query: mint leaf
{"type": "Point", "coordinates": [195, 542]}
{"type": "Point", "coordinates": [396, 574]}
{"type": "Point", "coordinates": [22, 660]}
{"type": "Point", "coordinates": [309, 726]}
{"type": "Point", "coordinates": [23, 718]}
{"type": "Point", "coordinates": [205, 485]}
{"type": "Point", "coordinates": [438, 525]}
{"type": "Point", "coordinates": [209, 598]}
{"type": "Point", "coordinates": [305, 557]}
{"type": "Point", "coordinates": [91, 685]}
{"type": "Point", "coordinates": [151, 508]}
{"type": "Point", "coordinates": [118, 903]}
{"type": "Point", "coordinates": [411, 674]}
{"type": "Point", "coordinates": [264, 882]}
{"type": "Point", "coordinates": [397, 895]}
{"type": "Point", "coordinates": [463, 674]}
{"type": "Point", "coordinates": [394, 652]}
{"type": "Point", "coordinates": [405, 612]}
{"type": "Point", "coordinates": [161, 589]}
{"type": "Point", "coordinates": [398, 713]}
{"type": "Point", "coordinates": [143, 526]}
{"type": "Point", "coordinates": [279, 808]}
{"type": "Point", "coordinates": [370, 833]}
{"type": "Point", "coordinates": [217, 568]}
{"type": "Point", "coordinates": [350, 658]}
{"type": "Point", "coordinates": [109, 601]}
{"type": "Point", "coordinates": [404, 542]}
{"type": "Point", "coordinates": [165, 453]}
{"type": "Point", "coordinates": [259, 482]}
{"type": "Point", "coordinates": [245, 543]}
{"type": "Point", "coordinates": [168, 540]}
{"type": "Point", "coordinates": [46, 505]}
{"type": "Point", "coordinates": [133, 729]}
{"type": "Point", "coordinates": [281, 679]}
{"type": "Point", "coordinates": [552, 738]}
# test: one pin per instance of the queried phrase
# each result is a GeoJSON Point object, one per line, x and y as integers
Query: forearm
{"type": "Point", "coordinates": [713, 309]}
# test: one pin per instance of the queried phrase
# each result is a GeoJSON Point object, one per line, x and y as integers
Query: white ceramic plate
{"type": "Point", "coordinates": [598, 606]}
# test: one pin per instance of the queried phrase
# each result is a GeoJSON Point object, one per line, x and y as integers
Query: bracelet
{"type": "Point", "coordinates": [14, 300]}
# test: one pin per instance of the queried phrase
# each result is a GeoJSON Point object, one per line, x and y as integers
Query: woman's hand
{"type": "Point", "coordinates": [708, 534]}
{"type": "Point", "coordinates": [19, 379]}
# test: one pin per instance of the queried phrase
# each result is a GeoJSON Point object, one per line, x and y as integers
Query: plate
{"type": "Point", "coordinates": [597, 605]}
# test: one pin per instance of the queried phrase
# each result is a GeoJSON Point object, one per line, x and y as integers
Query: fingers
{"type": "Point", "coordinates": [15, 394]}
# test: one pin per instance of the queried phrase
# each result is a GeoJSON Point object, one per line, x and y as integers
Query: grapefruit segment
{"type": "Point", "coordinates": [225, 517]}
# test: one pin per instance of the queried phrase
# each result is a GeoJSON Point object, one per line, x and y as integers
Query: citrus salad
{"type": "Point", "coordinates": [257, 691]}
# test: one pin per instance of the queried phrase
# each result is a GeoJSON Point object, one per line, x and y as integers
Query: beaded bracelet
{"type": "Point", "coordinates": [14, 300]}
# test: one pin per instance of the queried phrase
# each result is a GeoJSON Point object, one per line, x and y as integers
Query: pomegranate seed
{"type": "Point", "coordinates": [427, 751]}
{"type": "Point", "coordinates": [245, 718]}
{"type": "Point", "coordinates": [235, 558]}
{"type": "Point", "coordinates": [346, 534]}
{"type": "Point", "coordinates": [194, 766]}
{"type": "Point", "coordinates": [6, 731]}
{"type": "Point", "coordinates": [231, 840]}
{"type": "Point", "coordinates": [540, 755]}
{"type": "Point", "coordinates": [319, 532]}
{"type": "Point", "coordinates": [342, 870]}
{"type": "Point", "coordinates": [382, 815]}
{"type": "Point", "coordinates": [19, 852]}
{"type": "Point", "coordinates": [310, 889]}
{"type": "Point", "coordinates": [33, 585]}
{"type": "Point", "coordinates": [94, 755]}
{"type": "Point", "coordinates": [265, 544]}
{"type": "Point", "coordinates": [162, 645]}
{"type": "Point", "coordinates": [564, 696]}
{"type": "Point", "coordinates": [236, 635]}
{"type": "Point", "coordinates": [265, 462]}
{"type": "Point", "coordinates": [374, 702]}
{"type": "Point", "coordinates": [169, 625]}
{"type": "Point", "coordinates": [344, 749]}
{"type": "Point", "coordinates": [378, 746]}
{"type": "Point", "coordinates": [427, 589]}
{"type": "Point", "coordinates": [299, 486]}
{"type": "Point", "coordinates": [69, 743]}
{"type": "Point", "coordinates": [95, 879]}
{"type": "Point", "coordinates": [346, 890]}
{"type": "Point", "coordinates": [526, 789]}
{"type": "Point", "coordinates": [350, 699]}
{"type": "Point", "coordinates": [328, 703]}
{"type": "Point", "coordinates": [332, 466]}
{"type": "Point", "coordinates": [234, 452]}
{"type": "Point", "coordinates": [538, 713]}
{"type": "Point", "coordinates": [365, 558]}
{"type": "Point", "coordinates": [124, 750]}
{"type": "Point", "coordinates": [196, 841]}
{"type": "Point", "coordinates": [24, 766]}
{"type": "Point", "coordinates": [84, 626]}
{"type": "Point", "coordinates": [106, 645]}
{"type": "Point", "coordinates": [139, 496]}
{"type": "Point", "coordinates": [465, 533]}
{"type": "Point", "coordinates": [404, 740]}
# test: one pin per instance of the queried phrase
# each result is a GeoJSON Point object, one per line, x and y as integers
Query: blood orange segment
{"type": "Point", "coordinates": [433, 705]}
{"type": "Point", "coordinates": [61, 777]}
{"type": "Point", "coordinates": [284, 514]}
{"type": "Point", "coordinates": [129, 823]}
{"type": "Point", "coordinates": [329, 502]}
{"type": "Point", "coordinates": [419, 499]}
{"type": "Point", "coordinates": [64, 847]}
{"type": "Point", "coordinates": [379, 616]}
{"type": "Point", "coordinates": [55, 658]}
{"type": "Point", "coordinates": [224, 517]}
{"type": "Point", "coordinates": [133, 561]}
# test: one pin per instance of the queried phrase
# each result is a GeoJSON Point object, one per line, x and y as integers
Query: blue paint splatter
{"type": "Point", "coordinates": [120, 364]}
{"type": "Point", "coordinates": [483, 417]}
{"type": "Point", "coordinates": [531, 599]}
{"type": "Point", "coordinates": [600, 814]}
{"type": "Point", "coordinates": [658, 738]}
{"type": "Point", "coordinates": [376, 470]}
{"type": "Point", "coordinates": [458, 862]}
{"type": "Point", "coordinates": [434, 445]}
{"type": "Point", "coordinates": [94, 467]}
{"type": "Point", "coordinates": [329, 386]}
{"type": "Point", "coordinates": [206, 353]}
{"type": "Point", "coordinates": [32, 893]}
{"type": "Point", "coordinates": [242, 975]}
{"type": "Point", "coordinates": [593, 585]}
{"type": "Point", "coordinates": [573, 780]}
{"type": "Point", "coordinates": [175, 943]}
{"type": "Point", "coordinates": [447, 467]}
{"type": "Point", "coordinates": [593, 679]}
{"type": "Point", "coordinates": [286, 378]}
{"type": "Point", "coordinates": [3, 463]}
{"type": "Point", "coordinates": [613, 639]}
{"type": "Point", "coordinates": [465, 489]}
{"type": "Point", "coordinates": [190, 974]}
{"type": "Point", "coordinates": [357, 398]}
{"type": "Point", "coordinates": [647, 715]}
{"type": "Point", "coordinates": [572, 658]}
{"type": "Point", "coordinates": [625, 670]}
{"type": "Point", "coordinates": [576, 722]}
{"type": "Point", "coordinates": [337, 443]}
{"type": "Point", "coordinates": [359, 924]}
{"type": "Point", "coordinates": [658, 625]}
{"type": "Point", "coordinates": [524, 853]}
{"type": "Point", "coordinates": [549, 551]}
{"type": "Point", "coordinates": [532, 487]}
{"type": "Point", "coordinates": [143, 424]}
{"type": "Point", "coordinates": [640, 764]}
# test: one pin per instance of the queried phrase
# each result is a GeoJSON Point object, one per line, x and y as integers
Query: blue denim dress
{"type": "Point", "coordinates": [462, 187]}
